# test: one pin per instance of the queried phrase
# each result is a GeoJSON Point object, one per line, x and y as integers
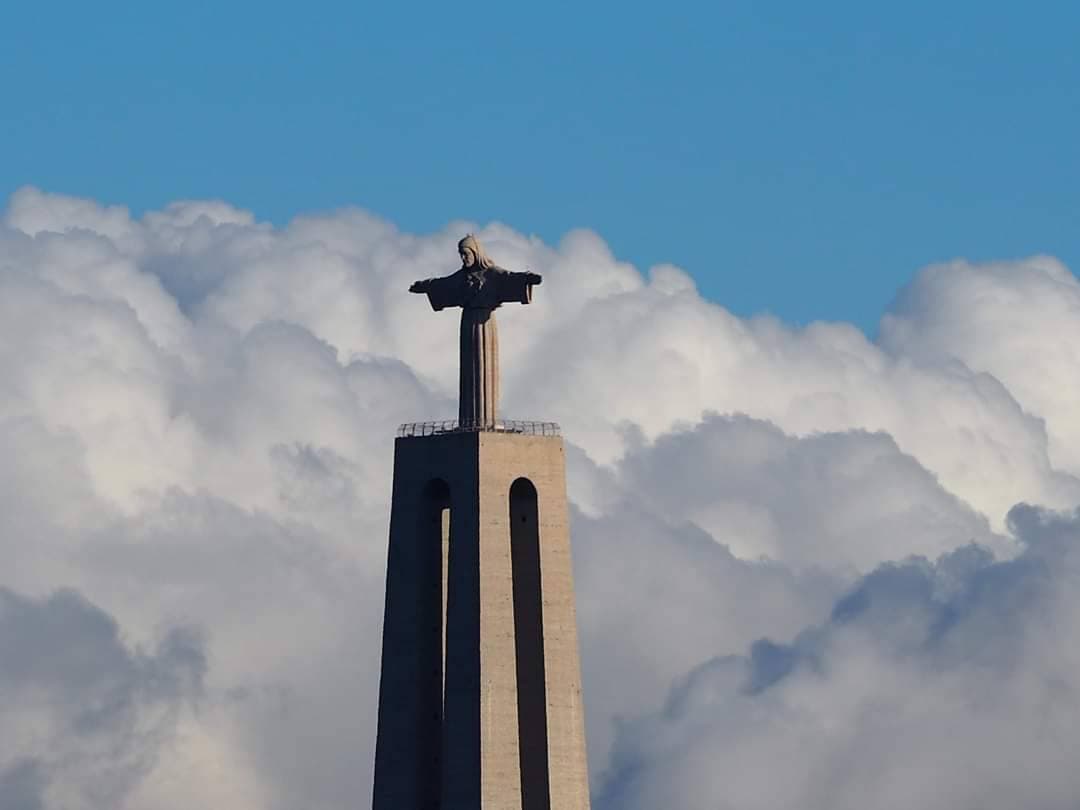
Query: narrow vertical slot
{"type": "Point", "coordinates": [445, 546]}
{"type": "Point", "coordinates": [529, 646]}
{"type": "Point", "coordinates": [432, 538]}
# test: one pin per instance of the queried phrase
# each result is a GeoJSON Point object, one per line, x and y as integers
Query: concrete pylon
{"type": "Point", "coordinates": [480, 697]}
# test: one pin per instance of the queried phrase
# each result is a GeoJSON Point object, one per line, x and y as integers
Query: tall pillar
{"type": "Point", "coordinates": [480, 698]}
{"type": "Point", "coordinates": [478, 377]}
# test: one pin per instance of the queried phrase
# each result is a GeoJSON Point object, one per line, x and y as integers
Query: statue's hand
{"type": "Point", "coordinates": [419, 286]}
{"type": "Point", "coordinates": [533, 278]}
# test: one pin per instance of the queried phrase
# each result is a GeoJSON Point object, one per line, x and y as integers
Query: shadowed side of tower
{"type": "Point", "coordinates": [480, 698]}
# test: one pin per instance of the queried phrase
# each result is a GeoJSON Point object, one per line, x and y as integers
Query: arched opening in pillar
{"type": "Point", "coordinates": [432, 538]}
{"type": "Point", "coordinates": [529, 646]}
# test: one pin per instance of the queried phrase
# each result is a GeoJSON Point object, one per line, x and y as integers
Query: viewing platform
{"type": "Point", "coordinates": [410, 429]}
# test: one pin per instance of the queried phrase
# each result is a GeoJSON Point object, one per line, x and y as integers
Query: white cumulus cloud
{"type": "Point", "coordinates": [799, 579]}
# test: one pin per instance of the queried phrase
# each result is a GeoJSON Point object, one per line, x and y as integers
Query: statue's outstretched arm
{"type": "Point", "coordinates": [441, 292]}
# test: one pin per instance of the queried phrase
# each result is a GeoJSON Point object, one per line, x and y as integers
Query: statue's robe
{"type": "Point", "coordinates": [479, 293]}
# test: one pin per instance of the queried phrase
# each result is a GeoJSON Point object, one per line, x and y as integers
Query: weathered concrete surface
{"type": "Point", "coordinates": [477, 760]}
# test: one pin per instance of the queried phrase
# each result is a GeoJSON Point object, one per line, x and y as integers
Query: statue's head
{"type": "Point", "coordinates": [472, 255]}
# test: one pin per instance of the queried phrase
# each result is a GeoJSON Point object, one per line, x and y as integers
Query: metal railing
{"type": "Point", "coordinates": [498, 426]}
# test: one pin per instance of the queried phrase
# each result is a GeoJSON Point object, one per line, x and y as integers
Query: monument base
{"type": "Point", "coordinates": [480, 696]}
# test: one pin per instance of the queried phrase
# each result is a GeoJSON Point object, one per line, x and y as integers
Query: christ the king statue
{"type": "Point", "coordinates": [479, 288]}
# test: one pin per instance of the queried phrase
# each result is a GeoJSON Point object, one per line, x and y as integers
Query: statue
{"type": "Point", "coordinates": [479, 288]}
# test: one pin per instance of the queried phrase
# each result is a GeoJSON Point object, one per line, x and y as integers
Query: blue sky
{"type": "Point", "coordinates": [796, 158]}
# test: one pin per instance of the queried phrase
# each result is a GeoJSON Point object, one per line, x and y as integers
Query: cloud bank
{"type": "Point", "coordinates": [803, 577]}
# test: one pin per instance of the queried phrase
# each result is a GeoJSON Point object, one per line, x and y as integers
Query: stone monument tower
{"type": "Point", "coordinates": [480, 695]}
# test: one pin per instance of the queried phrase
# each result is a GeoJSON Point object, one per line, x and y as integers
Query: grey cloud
{"type": "Point", "coordinates": [22, 786]}
{"type": "Point", "coordinates": [660, 587]}
{"type": "Point", "coordinates": [840, 499]}
{"type": "Point", "coordinates": [292, 611]}
{"type": "Point", "coordinates": [85, 716]}
{"type": "Point", "coordinates": [656, 599]}
{"type": "Point", "coordinates": [942, 683]}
